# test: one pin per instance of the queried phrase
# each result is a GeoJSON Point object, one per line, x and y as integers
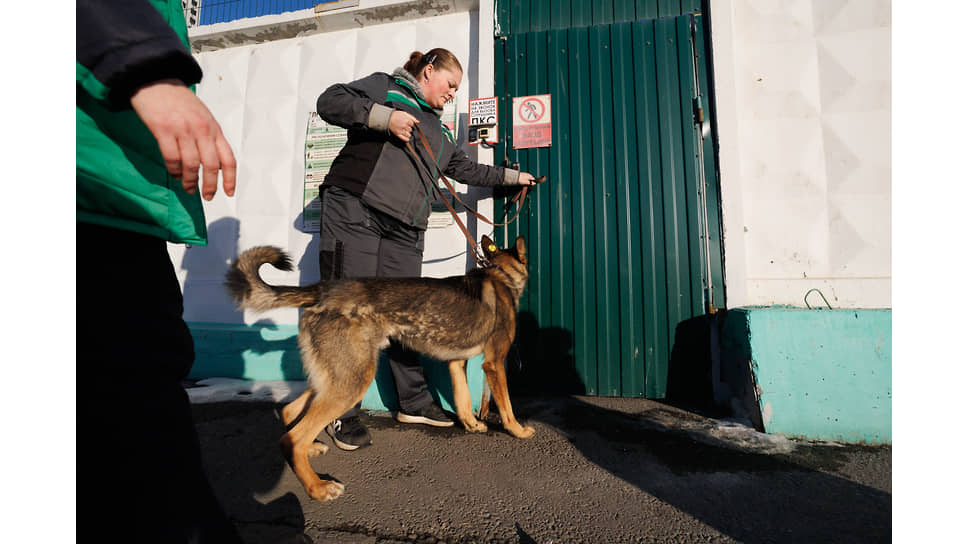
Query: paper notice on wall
{"type": "Point", "coordinates": [323, 143]}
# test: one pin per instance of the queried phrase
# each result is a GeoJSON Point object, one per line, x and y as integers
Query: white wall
{"type": "Point", "coordinates": [803, 99]}
{"type": "Point", "coordinates": [262, 94]}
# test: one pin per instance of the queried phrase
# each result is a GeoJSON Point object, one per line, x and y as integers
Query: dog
{"type": "Point", "coordinates": [345, 323]}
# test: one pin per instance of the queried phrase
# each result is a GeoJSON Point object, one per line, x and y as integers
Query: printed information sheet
{"type": "Point", "coordinates": [323, 143]}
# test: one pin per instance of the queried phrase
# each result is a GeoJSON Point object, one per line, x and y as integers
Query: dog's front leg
{"type": "Point", "coordinates": [462, 397]}
{"type": "Point", "coordinates": [498, 382]}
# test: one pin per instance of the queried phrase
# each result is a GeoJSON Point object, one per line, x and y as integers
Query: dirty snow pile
{"type": "Point", "coordinates": [228, 389]}
{"type": "Point", "coordinates": [737, 433]}
{"type": "Point", "coordinates": [744, 436]}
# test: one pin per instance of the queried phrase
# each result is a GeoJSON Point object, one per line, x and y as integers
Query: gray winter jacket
{"type": "Point", "coordinates": [377, 167]}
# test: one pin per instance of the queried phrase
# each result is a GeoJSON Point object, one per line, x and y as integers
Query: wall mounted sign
{"type": "Point", "coordinates": [482, 113]}
{"type": "Point", "coordinates": [531, 122]}
{"type": "Point", "coordinates": [323, 143]}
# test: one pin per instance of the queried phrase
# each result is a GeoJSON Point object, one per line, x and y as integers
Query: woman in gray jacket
{"type": "Point", "coordinates": [376, 199]}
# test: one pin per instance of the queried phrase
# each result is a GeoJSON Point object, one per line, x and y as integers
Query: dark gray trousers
{"type": "Point", "coordinates": [356, 241]}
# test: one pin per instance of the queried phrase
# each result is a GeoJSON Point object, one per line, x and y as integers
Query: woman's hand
{"type": "Point", "coordinates": [525, 178]}
{"type": "Point", "coordinates": [401, 124]}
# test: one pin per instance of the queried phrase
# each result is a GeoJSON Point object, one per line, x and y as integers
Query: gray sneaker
{"type": "Point", "coordinates": [429, 415]}
{"type": "Point", "coordinates": [349, 434]}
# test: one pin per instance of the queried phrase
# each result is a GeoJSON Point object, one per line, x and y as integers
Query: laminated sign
{"type": "Point", "coordinates": [531, 124]}
{"type": "Point", "coordinates": [482, 114]}
{"type": "Point", "coordinates": [323, 144]}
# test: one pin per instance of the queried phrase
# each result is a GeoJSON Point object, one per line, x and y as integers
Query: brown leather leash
{"type": "Point", "coordinates": [475, 250]}
{"type": "Point", "coordinates": [519, 198]}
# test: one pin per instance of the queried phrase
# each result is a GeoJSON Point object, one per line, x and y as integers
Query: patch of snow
{"type": "Point", "coordinates": [230, 389]}
{"type": "Point", "coordinates": [743, 435]}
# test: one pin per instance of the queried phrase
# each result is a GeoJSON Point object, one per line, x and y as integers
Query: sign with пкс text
{"type": "Point", "coordinates": [482, 112]}
{"type": "Point", "coordinates": [531, 123]}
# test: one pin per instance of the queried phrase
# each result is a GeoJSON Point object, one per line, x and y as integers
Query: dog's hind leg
{"type": "Point", "coordinates": [462, 397]}
{"type": "Point", "coordinates": [497, 379]}
{"type": "Point", "coordinates": [336, 388]}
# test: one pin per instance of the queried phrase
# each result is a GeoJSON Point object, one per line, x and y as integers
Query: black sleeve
{"type": "Point", "coordinates": [348, 105]}
{"type": "Point", "coordinates": [464, 170]}
{"type": "Point", "coordinates": [128, 44]}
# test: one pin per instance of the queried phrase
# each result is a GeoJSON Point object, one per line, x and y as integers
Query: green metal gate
{"type": "Point", "coordinates": [625, 239]}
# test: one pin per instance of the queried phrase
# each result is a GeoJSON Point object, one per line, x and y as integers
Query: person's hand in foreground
{"type": "Point", "coordinates": [188, 136]}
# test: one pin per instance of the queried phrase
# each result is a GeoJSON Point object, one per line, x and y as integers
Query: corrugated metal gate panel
{"type": "Point", "coordinates": [515, 17]}
{"type": "Point", "coordinates": [615, 248]}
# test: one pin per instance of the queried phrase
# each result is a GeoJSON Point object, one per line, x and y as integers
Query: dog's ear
{"type": "Point", "coordinates": [488, 246]}
{"type": "Point", "coordinates": [522, 251]}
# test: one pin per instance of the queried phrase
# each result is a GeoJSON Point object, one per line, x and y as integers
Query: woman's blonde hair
{"type": "Point", "coordinates": [439, 57]}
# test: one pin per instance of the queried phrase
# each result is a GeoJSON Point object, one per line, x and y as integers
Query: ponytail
{"type": "Point", "coordinates": [439, 57]}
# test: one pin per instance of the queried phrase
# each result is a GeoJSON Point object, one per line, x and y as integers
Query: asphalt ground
{"type": "Point", "coordinates": [598, 470]}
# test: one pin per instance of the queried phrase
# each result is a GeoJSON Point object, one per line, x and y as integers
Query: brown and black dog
{"type": "Point", "coordinates": [345, 323]}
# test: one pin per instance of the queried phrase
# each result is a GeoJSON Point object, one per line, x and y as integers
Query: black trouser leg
{"type": "Point", "coordinates": [141, 463]}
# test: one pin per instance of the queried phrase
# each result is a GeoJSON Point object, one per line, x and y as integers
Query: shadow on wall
{"type": "Point", "coordinates": [277, 346]}
{"type": "Point", "coordinates": [270, 350]}
{"type": "Point", "coordinates": [206, 299]}
{"type": "Point", "coordinates": [541, 361]}
{"type": "Point", "coordinates": [704, 373]}
{"type": "Point", "coordinates": [693, 363]}
{"type": "Point", "coordinates": [308, 263]}
{"type": "Point", "coordinates": [224, 345]}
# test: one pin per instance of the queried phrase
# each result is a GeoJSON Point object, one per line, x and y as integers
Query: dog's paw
{"type": "Point", "coordinates": [525, 431]}
{"type": "Point", "coordinates": [475, 426]}
{"type": "Point", "coordinates": [317, 449]}
{"type": "Point", "coordinates": [326, 490]}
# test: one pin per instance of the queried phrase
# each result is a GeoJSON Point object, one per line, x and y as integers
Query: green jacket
{"type": "Point", "coordinates": [122, 181]}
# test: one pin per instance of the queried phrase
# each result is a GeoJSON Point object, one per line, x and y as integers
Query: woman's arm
{"type": "Point", "coordinates": [357, 104]}
{"type": "Point", "coordinates": [464, 170]}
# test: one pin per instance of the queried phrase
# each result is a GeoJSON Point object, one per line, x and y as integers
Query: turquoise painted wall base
{"type": "Point", "coordinates": [815, 374]}
{"type": "Point", "coordinates": [270, 352]}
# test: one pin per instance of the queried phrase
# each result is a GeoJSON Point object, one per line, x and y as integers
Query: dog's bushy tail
{"type": "Point", "coordinates": [248, 289]}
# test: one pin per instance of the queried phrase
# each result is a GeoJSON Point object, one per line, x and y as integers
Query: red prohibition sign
{"type": "Point", "coordinates": [531, 110]}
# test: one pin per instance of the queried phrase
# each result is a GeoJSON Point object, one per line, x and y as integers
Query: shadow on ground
{"type": "Point", "coordinates": [743, 483]}
{"type": "Point", "coordinates": [743, 488]}
{"type": "Point", "coordinates": [247, 466]}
